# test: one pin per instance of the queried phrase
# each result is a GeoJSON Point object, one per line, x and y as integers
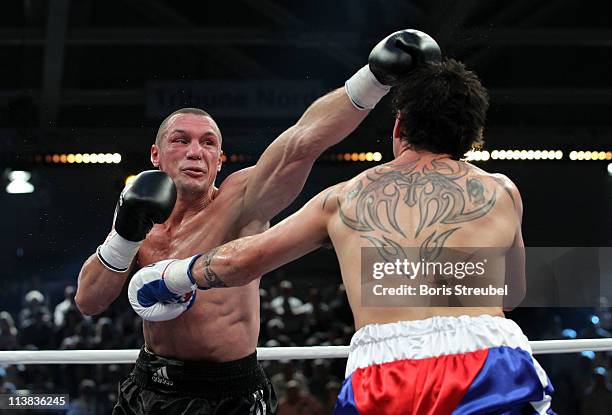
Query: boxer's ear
{"type": "Point", "coordinates": [397, 127]}
{"type": "Point", "coordinates": [220, 161]}
{"type": "Point", "coordinates": [155, 155]}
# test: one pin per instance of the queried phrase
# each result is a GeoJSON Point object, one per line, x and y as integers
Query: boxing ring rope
{"type": "Point", "coordinates": [263, 353]}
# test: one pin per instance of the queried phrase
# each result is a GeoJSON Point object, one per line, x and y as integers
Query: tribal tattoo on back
{"type": "Point", "coordinates": [436, 193]}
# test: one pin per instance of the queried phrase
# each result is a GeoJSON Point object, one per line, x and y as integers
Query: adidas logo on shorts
{"type": "Point", "coordinates": [161, 376]}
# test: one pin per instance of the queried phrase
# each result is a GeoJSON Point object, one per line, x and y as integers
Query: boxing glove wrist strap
{"type": "Point", "coordinates": [117, 253]}
{"type": "Point", "coordinates": [178, 277]}
{"type": "Point", "coordinates": [364, 90]}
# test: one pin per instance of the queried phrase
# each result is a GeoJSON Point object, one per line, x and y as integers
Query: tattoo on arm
{"type": "Point", "coordinates": [326, 197]}
{"type": "Point", "coordinates": [212, 279]}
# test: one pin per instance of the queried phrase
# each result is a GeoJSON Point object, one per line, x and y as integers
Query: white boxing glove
{"type": "Point", "coordinates": [163, 290]}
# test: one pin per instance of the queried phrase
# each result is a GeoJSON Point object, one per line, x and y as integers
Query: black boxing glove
{"type": "Point", "coordinates": [397, 54]}
{"type": "Point", "coordinates": [147, 200]}
{"type": "Point", "coordinates": [150, 199]}
{"type": "Point", "coordinates": [390, 60]}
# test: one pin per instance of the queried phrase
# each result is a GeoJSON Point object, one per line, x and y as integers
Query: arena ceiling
{"type": "Point", "coordinates": [82, 68]}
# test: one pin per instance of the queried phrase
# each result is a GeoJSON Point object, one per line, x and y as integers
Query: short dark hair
{"type": "Point", "coordinates": [162, 127]}
{"type": "Point", "coordinates": [442, 108]}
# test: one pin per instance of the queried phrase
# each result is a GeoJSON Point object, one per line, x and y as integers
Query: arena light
{"type": "Point", "coordinates": [610, 169]}
{"type": "Point", "coordinates": [525, 154]}
{"type": "Point", "coordinates": [361, 156]}
{"type": "Point", "coordinates": [590, 155]}
{"type": "Point", "coordinates": [78, 158]}
{"type": "Point", "coordinates": [18, 182]}
{"type": "Point", "coordinates": [130, 179]}
{"type": "Point", "coordinates": [479, 155]}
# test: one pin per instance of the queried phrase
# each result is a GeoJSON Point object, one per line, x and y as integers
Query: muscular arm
{"type": "Point", "coordinates": [242, 260]}
{"type": "Point", "coordinates": [147, 200]}
{"type": "Point", "coordinates": [280, 173]}
{"type": "Point", "coordinates": [98, 286]}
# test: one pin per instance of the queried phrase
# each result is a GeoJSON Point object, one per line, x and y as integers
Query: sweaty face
{"type": "Point", "coordinates": [189, 152]}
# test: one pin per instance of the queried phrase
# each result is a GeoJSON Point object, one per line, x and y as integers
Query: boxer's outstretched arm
{"type": "Point", "coordinates": [242, 260]}
{"type": "Point", "coordinates": [280, 173]}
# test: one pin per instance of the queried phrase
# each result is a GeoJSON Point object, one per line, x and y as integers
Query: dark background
{"type": "Point", "coordinates": [78, 77]}
{"type": "Point", "coordinates": [88, 76]}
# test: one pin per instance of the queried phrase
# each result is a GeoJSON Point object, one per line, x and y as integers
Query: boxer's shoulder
{"type": "Point", "coordinates": [230, 194]}
{"type": "Point", "coordinates": [350, 190]}
{"type": "Point", "coordinates": [503, 185]}
{"type": "Point", "coordinates": [236, 182]}
{"type": "Point", "coordinates": [499, 178]}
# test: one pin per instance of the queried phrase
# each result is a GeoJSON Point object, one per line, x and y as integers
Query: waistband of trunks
{"type": "Point", "coordinates": [432, 337]}
{"type": "Point", "coordinates": [211, 380]}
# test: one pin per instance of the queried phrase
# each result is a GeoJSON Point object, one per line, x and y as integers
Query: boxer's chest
{"type": "Point", "coordinates": [207, 230]}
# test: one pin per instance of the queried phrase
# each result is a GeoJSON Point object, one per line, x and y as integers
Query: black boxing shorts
{"type": "Point", "coordinates": [160, 385]}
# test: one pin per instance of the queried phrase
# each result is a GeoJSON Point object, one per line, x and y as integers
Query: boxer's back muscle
{"type": "Point", "coordinates": [427, 203]}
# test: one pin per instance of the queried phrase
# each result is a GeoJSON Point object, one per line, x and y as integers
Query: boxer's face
{"type": "Point", "coordinates": [190, 152]}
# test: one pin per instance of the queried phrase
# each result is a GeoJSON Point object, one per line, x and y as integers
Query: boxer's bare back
{"type": "Point", "coordinates": [425, 202]}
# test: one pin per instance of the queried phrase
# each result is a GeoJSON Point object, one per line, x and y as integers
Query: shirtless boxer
{"type": "Point", "coordinates": [403, 360]}
{"type": "Point", "coordinates": [204, 360]}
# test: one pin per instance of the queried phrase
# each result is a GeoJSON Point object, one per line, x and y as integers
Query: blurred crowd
{"type": "Point", "coordinates": [291, 316]}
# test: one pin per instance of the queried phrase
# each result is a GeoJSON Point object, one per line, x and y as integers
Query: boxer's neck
{"type": "Point", "coordinates": [187, 207]}
{"type": "Point", "coordinates": [408, 154]}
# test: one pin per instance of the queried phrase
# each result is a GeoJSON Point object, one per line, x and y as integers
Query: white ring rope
{"type": "Point", "coordinates": [263, 353]}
